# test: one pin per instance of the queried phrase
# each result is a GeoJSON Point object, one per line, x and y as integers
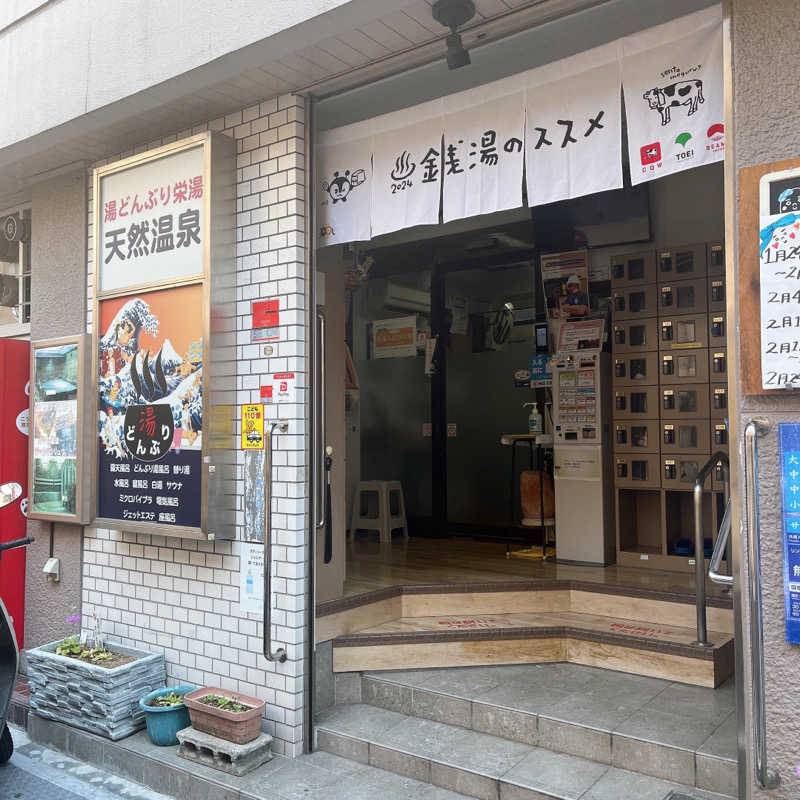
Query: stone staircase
{"type": "Point", "coordinates": [535, 731]}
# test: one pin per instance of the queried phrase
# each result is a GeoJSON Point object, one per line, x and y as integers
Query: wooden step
{"type": "Point", "coordinates": [655, 606]}
{"type": "Point", "coordinates": [636, 647]}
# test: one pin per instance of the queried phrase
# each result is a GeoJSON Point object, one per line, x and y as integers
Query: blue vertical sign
{"type": "Point", "coordinates": [540, 371]}
{"type": "Point", "coordinates": [789, 435]}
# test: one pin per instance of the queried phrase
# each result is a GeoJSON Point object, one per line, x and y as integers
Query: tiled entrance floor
{"type": "Point", "coordinates": [374, 565]}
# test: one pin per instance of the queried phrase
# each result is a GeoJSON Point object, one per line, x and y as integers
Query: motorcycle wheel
{"type": "Point", "coordinates": [6, 745]}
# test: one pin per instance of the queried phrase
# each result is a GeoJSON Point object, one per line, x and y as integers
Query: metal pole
{"type": "Point", "coordinates": [766, 778]}
{"type": "Point", "coordinates": [700, 567]}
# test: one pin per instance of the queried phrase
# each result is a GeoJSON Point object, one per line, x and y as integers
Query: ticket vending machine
{"type": "Point", "coordinates": [582, 445]}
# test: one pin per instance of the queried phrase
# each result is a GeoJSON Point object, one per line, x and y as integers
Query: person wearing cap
{"type": "Point", "coordinates": [576, 303]}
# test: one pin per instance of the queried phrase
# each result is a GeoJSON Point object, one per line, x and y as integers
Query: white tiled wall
{"type": "Point", "coordinates": [181, 596]}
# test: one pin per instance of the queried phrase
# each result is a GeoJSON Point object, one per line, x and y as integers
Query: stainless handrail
{"type": "Point", "coordinates": [719, 550]}
{"type": "Point", "coordinates": [319, 484]}
{"type": "Point", "coordinates": [766, 778]}
{"type": "Point", "coordinates": [278, 655]}
{"type": "Point", "coordinates": [699, 546]}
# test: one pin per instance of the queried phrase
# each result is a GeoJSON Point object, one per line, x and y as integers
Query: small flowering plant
{"type": "Point", "coordinates": [73, 646]}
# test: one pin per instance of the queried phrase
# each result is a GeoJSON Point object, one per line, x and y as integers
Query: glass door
{"type": "Point", "coordinates": [389, 324]}
{"type": "Point", "coordinates": [491, 338]}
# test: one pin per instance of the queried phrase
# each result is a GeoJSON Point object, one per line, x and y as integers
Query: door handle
{"type": "Point", "coordinates": [319, 505]}
{"type": "Point", "coordinates": [328, 554]}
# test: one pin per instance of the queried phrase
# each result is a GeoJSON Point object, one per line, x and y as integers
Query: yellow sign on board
{"type": "Point", "coordinates": [253, 426]}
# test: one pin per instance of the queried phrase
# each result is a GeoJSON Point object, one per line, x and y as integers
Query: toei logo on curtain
{"type": "Point", "coordinates": [673, 86]}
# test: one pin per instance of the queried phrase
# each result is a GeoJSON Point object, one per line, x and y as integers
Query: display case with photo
{"type": "Point", "coordinates": [56, 430]}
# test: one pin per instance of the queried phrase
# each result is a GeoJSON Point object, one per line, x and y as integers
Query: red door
{"type": "Point", "coordinates": [14, 373]}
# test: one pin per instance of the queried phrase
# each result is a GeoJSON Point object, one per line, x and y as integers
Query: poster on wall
{"type": "Point", "coordinates": [152, 220]}
{"type": "Point", "coordinates": [394, 338]}
{"type": "Point", "coordinates": [779, 258]}
{"type": "Point", "coordinates": [254, 495]}
{"type": "Point", "coordinates": [779, 270]}
{"type": "Point", "coordinates": [565, 281]}
{"type": "Point", "coordinates": [574, 127]}
{"type": "Point", "coordinates": [252, 436]}
{"type": "Point", "coordinates": [540, 376]}
{"type": "Point", "coordinates": [789, 442]}
{"type": "Point", "coordinates": [407, 176]}
{"type": "Point", "coordinates": [345, 185]}
{"type": "Point", "coordinates": [265, 319]}
{"type": "Point", "coordinates": [458, 305]}
{"type": "Point", "coordinates": [483, 153]}
{"type": "Point", "coordinates": [674, 98]}
{"type": "Point", "coordinates": [56, 376]}
{"type": "Point", "coordinates": [251, 577]}
{"type": "Point", "coordinates": [150, 407]}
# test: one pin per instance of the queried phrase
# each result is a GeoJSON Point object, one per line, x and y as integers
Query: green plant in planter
{"type": "Point", "coordinates": [170, 699]}
{"type": "Point", "coordinates": [72, 648]}
{"type": "Point", "coordinates": [69, 647]}
{"type": "Point", "coordinates": [224, 703]}
{"type": "Point", "coordinates": [96, 655]}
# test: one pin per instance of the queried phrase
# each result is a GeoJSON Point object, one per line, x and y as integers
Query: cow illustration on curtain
{"type": "Point", "coordinates": [683, 93]}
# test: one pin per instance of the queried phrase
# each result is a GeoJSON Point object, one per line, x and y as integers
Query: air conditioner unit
{"type": "Point", "coordinates": [9, 291]}
{"type": "Point", "coordinates": [403, 298]}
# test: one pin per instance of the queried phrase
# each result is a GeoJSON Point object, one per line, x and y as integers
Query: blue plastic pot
{"type": "Point", "coordinates": [164, 722]}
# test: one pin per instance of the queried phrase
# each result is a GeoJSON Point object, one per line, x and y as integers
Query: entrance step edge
{"type": "Point", "coordinates": [358, 612]}
{"type": "Point", "coordinates": [508, 639]}
{"type": "Point", "coordinates": [586, 712]}
{"type": "Point", "coordinates": [477, 764]}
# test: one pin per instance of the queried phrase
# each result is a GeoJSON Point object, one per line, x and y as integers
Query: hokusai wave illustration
{"type": "Point", "coordinates": [132, 376]}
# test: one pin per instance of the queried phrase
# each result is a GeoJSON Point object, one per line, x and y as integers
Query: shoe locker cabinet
{"type": "Point", "coordinates": [670, 399]}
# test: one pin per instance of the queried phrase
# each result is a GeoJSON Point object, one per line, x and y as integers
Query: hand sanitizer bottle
{"type": "Point", "coordinates": [534, 419]}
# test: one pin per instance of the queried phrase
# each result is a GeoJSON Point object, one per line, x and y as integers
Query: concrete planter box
{"type": "Point", "coordinates": [103, 701]}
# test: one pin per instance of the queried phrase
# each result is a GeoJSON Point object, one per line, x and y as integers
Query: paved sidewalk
{"type": "Point", "coordinates": [317, 776]}
{"type": "Point", "coordinates": [37, 773]}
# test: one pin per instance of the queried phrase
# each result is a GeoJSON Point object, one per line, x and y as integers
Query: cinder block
{"type": "Point", "coordinates": [235, 759]}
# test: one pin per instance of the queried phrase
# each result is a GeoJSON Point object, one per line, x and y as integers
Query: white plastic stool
{"type": "Point", "coordinates": [384, 522]}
